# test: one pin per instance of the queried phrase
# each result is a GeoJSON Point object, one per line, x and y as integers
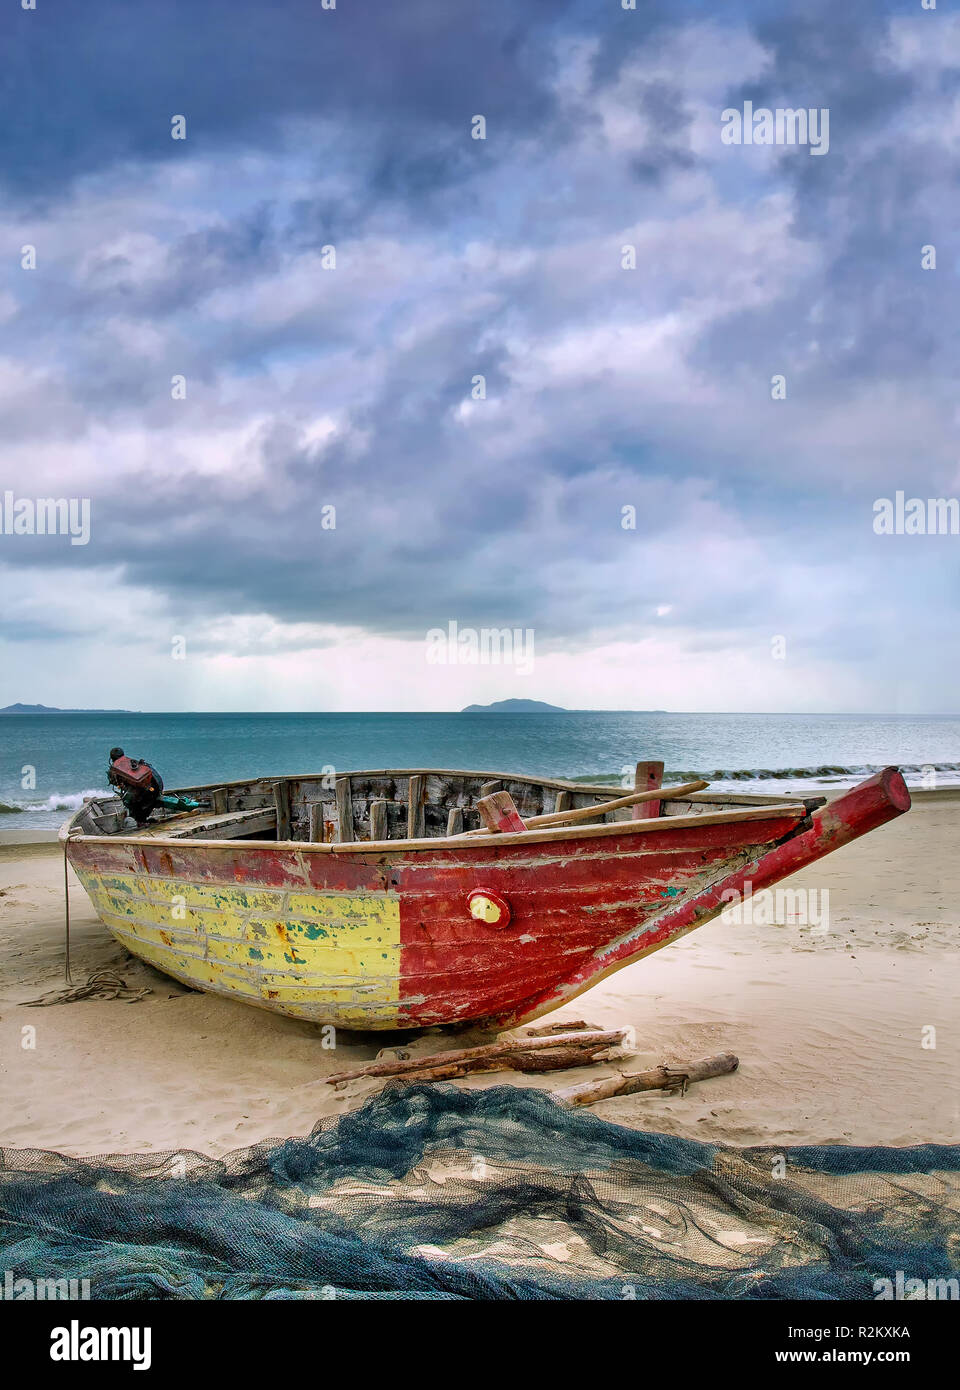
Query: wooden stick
{"type": "Point", "coordinates": [602, 808]}
{"type": "Point", "coordinates": [315, 812]}
{"type": "Point", "coordinates": [647, 777]}
{"type": "Point", "coordinates": [455, 820]}
{"type": "Point", "coordinates": [661, 1078]}
{"type": "Point", "coordinates": [391, 1067]}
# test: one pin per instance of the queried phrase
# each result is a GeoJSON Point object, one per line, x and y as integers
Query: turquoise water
{"type": "Point", "coordinates": [746, 752]}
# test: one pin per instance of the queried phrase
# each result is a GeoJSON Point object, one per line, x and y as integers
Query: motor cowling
{"type": "Point", "coordinates": [136, 774]}
{"type": "Point", "coordinates": [140, 785]}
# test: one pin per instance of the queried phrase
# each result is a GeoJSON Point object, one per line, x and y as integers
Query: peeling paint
{"type": "Point", "coordinates": [386, 940]}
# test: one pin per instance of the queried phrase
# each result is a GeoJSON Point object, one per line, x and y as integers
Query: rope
{"type": "Point", "coordinates": [100, 984]}
{"type": "Point", "coordinates": [66, 916]}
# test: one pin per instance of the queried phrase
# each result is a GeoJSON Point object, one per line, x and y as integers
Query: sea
{"type": "Point", "coordinates": [50, 762]}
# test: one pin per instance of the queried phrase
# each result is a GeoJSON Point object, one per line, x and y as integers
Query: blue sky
{"type": "Point", "coordinates": [309, 386]}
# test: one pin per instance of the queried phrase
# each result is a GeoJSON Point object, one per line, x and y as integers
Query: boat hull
{"type": "Point", "coordinates": [384, 938]}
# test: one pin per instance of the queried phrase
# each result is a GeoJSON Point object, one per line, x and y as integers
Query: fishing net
{"type": "Point", "coordinates": [430, 1191]}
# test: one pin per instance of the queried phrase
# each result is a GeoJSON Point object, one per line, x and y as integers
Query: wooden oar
{"type": "Point", "coordinates": [502, 816]}
{"type": "Point", "coordinates": [602, 807]}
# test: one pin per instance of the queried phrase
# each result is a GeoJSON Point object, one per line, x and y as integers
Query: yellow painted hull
{"type": "Point", "coordinates": [333, 957]}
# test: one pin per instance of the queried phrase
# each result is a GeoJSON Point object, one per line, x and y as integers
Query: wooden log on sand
{"type": "Point", "coordinates": [487, 1052]}
{"type": "Point", "coordinates": [545, 1029]}
{"type": "Point", "coordinates": [556, 1059]}
{"type": "Point", "coordinates": [661, 1078]}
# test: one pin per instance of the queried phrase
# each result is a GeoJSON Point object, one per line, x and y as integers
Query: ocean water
{"type": "Point", "coordinates": [783, 753]}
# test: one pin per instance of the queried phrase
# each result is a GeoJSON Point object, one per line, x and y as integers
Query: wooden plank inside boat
{"type": "Point", "coordinates": [415, 816]}
{"type": "Point", "coordinates": [281, 801]}
{"type": "Point", "coordinates": [419, 806]}
{"type": "Point", "coordinates": [378, 820]}
{"type": "Point", "coordinates": [344, 810]}
{"type": "Point", "coordinates": [315, 822]}
{"type": "Point", "coordinates": [201, 825]}
{"type": "Point", "coordinates": [647, 777]}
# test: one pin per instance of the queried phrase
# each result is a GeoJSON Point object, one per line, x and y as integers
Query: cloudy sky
{"type": "Point", "coordinates": [753, 578]}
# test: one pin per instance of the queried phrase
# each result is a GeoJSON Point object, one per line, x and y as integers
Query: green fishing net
{"type": "Point", "coordinates": [430, 1191]}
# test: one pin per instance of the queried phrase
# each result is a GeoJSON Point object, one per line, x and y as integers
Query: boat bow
{"type": "Point", "coordinates": [854, 813]}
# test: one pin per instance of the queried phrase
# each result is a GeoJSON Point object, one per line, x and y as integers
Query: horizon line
{"type": "Point", "coordinates": [857, 714]}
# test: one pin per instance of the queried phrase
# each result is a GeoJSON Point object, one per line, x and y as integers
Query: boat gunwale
{"type": "Point", "coordinates": [546, 835]}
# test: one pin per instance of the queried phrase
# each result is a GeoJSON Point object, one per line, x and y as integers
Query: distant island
{"type": "Point", "coordinates": [541, 707]}
{"type": "Point", "coordinates": [52, 709]}
{"type": "Point", "coordinates": [515, 707]}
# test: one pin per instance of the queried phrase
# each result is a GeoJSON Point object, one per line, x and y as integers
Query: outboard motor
{"type": "Point", "coordinates": [141, 787]}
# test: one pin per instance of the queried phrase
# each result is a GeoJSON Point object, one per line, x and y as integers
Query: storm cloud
{"type": "Point", "coordinates": [483, 353]}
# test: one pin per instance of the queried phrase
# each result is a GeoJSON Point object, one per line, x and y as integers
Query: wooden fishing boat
{"type": "Point", "coordinates": [379, 900]}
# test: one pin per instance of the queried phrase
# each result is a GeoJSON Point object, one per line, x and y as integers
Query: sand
{"type": "Point", "coordinates": [829, 1028]}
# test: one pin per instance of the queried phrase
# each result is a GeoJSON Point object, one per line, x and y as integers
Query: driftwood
{"type": "Point", "coordinates": [582, 1045]}
{"type": "Point", "coordinates": [545, 1029]}
{"type": "Point", "coordinates": [579, 1054]}
{"type": "Point", "coordinates": [554, 1059]}
{"type": "Point", "coordinates": [661, 1078]}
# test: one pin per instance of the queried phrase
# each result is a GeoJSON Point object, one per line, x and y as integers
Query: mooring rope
{"type": "Point", "coordinates": [99, 984]}
{"type": "Point", "coordinates": [66, 915]}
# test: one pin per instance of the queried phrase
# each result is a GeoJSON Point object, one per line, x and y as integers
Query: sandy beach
{"type": "Point", "coordinates": [829, 1028]}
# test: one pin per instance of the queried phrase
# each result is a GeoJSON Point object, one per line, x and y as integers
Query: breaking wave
{"type": "Point", "coordinates": [58, 801]}
{"type": "Point", "coordinates": [823, 772]}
